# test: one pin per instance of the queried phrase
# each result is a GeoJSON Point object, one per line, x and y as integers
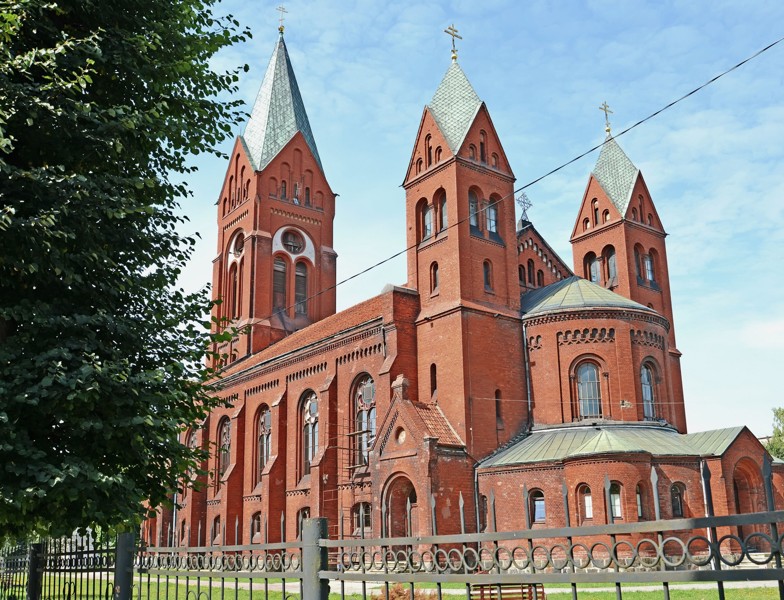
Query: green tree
{"type": "Point", "coordinates": [101, 356]}
{"type": "Point", "coordinates": [776, 444]}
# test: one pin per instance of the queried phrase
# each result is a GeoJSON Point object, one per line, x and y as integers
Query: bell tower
{"type": "Point", "coordinates": [462, 258]}
{"type": "Point", "coordinates": [275, 270]}
{"type": "Point", "coordinates": [618, 241]}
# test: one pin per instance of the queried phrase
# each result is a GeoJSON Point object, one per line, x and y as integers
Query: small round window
{"type": "Point", "coordinates": [293, 242]}
{"type": "Point", "coordinates": [239, 245]}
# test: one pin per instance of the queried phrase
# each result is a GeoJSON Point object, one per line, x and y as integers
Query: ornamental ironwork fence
{"type": "Point", "coordinates": [528, 563]}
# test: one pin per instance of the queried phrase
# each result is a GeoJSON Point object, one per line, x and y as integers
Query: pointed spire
{"type": "Point", "coordinates": [278, 113]}
{"type": "Point", "coordinates": [454, 106]}
{"type": "Point", "coordinates": [616, 174]}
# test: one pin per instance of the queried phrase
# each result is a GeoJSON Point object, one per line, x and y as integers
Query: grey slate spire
{"type": "Point", "coordinates": [616, 174]}
{"type": "Point", "coordinates": [278, 113]}
{"type": "Point", "coordinates": [454, 106]}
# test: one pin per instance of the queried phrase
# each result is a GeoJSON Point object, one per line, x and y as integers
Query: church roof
{"type": "Point", "coordinates": [454, 106]}
{"type": "Point", "coordinates": [616, 174]}
{"type": "Point", "coordinates": [278, 113]}
{"type": "Point", "coordinates": [571, 442]}
{"type": "Point", "coordinates": [574, 293]}
{"type": "Point", "coordinates": [437, 424]}
{"type": "Point", "coordinates": [714, 442]}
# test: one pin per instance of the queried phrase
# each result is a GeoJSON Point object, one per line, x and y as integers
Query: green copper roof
{"type": "Point", "coordinates": [454, 106]}
{"type": "Point", "coordinates": [574, 293]}
{"type": "Point", "coordinates": [714, 442]}
{"type": "Point", "coordinates": [616, 174]}
{"type": "Point", "coordinates": [580, 441]}
{"type": "Point", "coordinates": [278, 113]}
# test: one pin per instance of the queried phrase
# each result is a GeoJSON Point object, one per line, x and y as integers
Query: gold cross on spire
{"type": "Point", "coordinates": [607, 112]}
{"type": "Point", "coordinates": [282, 10]}
{"type": "Point", "coordinates": [453, 32]}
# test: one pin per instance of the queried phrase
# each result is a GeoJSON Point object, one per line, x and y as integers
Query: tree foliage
{"type": "Point", "coordinates": [776, 443]}
{"type": "Point", "coordinates": [101, 356]}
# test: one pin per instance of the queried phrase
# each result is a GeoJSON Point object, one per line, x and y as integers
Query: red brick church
{"type": "Point", "coordinates": [494, 367]}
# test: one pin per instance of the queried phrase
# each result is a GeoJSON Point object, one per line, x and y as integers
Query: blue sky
{"type": "Point", "coordinates": [714, 164]}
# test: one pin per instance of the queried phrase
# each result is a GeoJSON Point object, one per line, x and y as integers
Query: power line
{"type": "Point", "coordinates": [540, 178]}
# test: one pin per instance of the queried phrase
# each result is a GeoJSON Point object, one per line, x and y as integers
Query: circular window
{"type": "Point", "coordinates": [293, 242]}
{"type": "Point", "coordinates": [400, 435]}
{"type": "Point", "coordinates": [239, 245]}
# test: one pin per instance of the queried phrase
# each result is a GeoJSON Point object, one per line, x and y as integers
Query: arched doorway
{"type": "Point", "coordinates": [748, 494]}
{"type": "Point", "coordinates": [400, 501]}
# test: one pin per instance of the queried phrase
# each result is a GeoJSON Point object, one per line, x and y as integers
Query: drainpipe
{"type": "Point", "coordinates": [476, 495]}
{"type": "Point", "coordinates": [526, 361]}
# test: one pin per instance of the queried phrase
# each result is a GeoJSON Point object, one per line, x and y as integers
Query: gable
{"type": "Point", "coordinates": [430, 147]}
{"type": "Point", "coordinates": [482, 132]}
{"type": "Point", "coordinates": [591, 216]}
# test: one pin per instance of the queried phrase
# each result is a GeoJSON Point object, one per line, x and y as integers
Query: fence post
{"type": "Point", "coordinates": [123, 566]}
{"type": "Point", "coordinates": [770, 501]}
{"type": "Point", "coordinates": [314, 559]}
{"type": "Point", "coordinates": [34, 571]}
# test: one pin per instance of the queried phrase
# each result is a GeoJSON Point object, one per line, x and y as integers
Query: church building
{"type": "Point", "coordinates": [496, 371]}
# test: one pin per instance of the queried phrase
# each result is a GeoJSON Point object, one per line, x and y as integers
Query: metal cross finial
{"type": "Point", "coordinates": [605, 108]}
{"type": "Point", "coordinates": [282, 10]}
{"type": "Point", "coordinates": [453, 32]}
{"type": "Point", "coordinates": [525, 204]}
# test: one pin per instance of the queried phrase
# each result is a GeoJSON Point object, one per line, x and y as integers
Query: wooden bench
{"type": "Point", "coordinates": [507, 591]}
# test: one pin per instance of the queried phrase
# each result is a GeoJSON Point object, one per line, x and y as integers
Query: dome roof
{"type": "Point", "coordinates": [574, 293]}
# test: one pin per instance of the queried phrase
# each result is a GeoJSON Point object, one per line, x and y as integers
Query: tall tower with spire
{"type": "Point", "coordinates": [462, 259]}
{"type": "Point", "coordinates": [275, 269]}
{"type": "Point", "coordinates": [618, 241]}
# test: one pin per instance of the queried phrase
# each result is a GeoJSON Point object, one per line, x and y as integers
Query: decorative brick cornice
{"type": "Point", "coordinates": [618, 314]}
{"type": "Point", "coordinates": [295, 216]}
{"type": "Point", "coordinates": [263, 387]}
{"type": "Point", "coordinates": [647, 338]}
{"type": "Point", "coordinates": [235, 220]}
{"type": "Point", "coordinates": [586, 336]}
{"type": "Point", "coordinates": [360, 353]}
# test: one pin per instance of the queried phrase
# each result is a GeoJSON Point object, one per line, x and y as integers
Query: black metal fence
{"type": "Point", "coordinates": [493, 565]}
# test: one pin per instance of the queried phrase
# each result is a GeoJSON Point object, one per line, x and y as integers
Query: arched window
{"type": "Point", "coordinates": [283, 190]}
{"type": "Point", "coordinates": [676, 495]}
{"type": "Point", "coordinates": [492, 217]}
{"type": "Point", "coordinates": [433, 381]}
{"type": "Point", "coordinates": [585, 501]}
{"type": "Point", "coordinates": [309, 423]}
{"type": "Point", "coordinates": [616, 507]}
{"type": "Point", "coordinates": [592, 269]}
{"type": "Point", "coordinates": [434, 277]}
{"type": "Point", "coordinates": [216, 531]}
{"type": "Point", "coordinates": [586, 224]}
{"type": "Point", "coordinates": [499, 418]}
{"type": "Point", "coordinates": [472, 152]}
{"type": "Point", "coordinates": [521, 274]}
{"type": "Point", "coordinates": [640, 503]}
{"type": "Point", "coordinates": [295, 197]}
{"type": "Point", "coordinates": [361, 518]}
{"type": "Point", "coordinates": [487, 269]}
{"type": "Point", "coordinates": [428, 150]}
{"type": "Point", "coordinates": [638, 262]}
{"type": "Point", "coordinates": [438, 154]}
{"type": "Point", "coordinates": [302, 514]}
{"type": "Point", "coordinates": [255, 527]}
{"type": "Point", "coordinates": [224, 448]}
{"type": "Point", "coordinates": [595, 205]}
{"type": "Point", "coordinates": [611, 264]}
{"type": "Point", "coordinates": [634, 214]}
{"type": "Point", "coordinates": [364, 418]}
{"type": "Point", "coordinates": [650, 220]}
{"type": "Point", "coordinates": [647, 261]}
{"type": "Point", "coordinates": [307, 196]}
{"type": "Point", "coordinates": [606, 216]}
{"type": "Point", "coordinates": [443, 217]}
{"type": "Point", "coordinates": [263, 440]}
{"type": "Point", "coordinates": [531, 272]}
{"type": "Point", "coordinates": [648, 393]}
{"type": "Point", "coordinates": [537, 506]}
{"type": "Point", "coordinates": [482, 513]}
{"type": "Point", "coordinates": [494, 160]}
{"type": "Point", "coordinates": [233, 285]}
{"type": "Point", "coordinates": [482, 147]}
{"type": "Point", "coordinates": [419, 165]}
{"type": "Point", "coordinates": [279, 284]}
{"type": "Point", "coordinates": [588, 391]}
{"type": "Point", "coordinates": [427, 221]}
{"type": "Point", "coordinates": [301, 288]}
{"type": "Point", "coordinates": [539, 278]}
{"type": "Point", "coordinates": [473, 209]}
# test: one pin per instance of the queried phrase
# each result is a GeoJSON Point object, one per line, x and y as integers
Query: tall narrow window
{"type": "Point", "coordinates": [521, 274]}
{"type": "Point", "coordinates": [428, 151]}
{"type": "Point", "coordinates": [676, 493]}
{"type": "Point", "coordinates": [301, 288]}
{"type": "Point", "coordinates": [482, 149]}
{"type": "Point", "coordinates": [499, 418]}
{"type": "Point", "coordinates": [473, 209]}
{"type": "Point", "coordinates": [263, 440]}
{"type": "Point", "coordinates": [492, 218]}
{"type": "Point", "coordinates": [427, 222]}
{"type": "Point", "coordinates": [279, 284]}
{"type": "Point", "coordinates": [537, 506]}
{"type": "Point", "coordinates": [216, 531]}
{"type": "Point", "coordinates": [255, 527]}
{"type": "Point", "coordinates": [296, 193]}
{"type": "Point", "coordinates": [433, 381]}
{"type": "Point", "coordinates": [224, 447]}
{"type": "Point", "coordinates": [531, 272]}
{"type": "Point", "coordinates": [648, 398]}
{"type": "Point", "coordinates": [443, 217]}
{"type": "Point", "coordinates": [307, 196]}
{"type": "Point", "coordinates": [434, 277]}
{"type": "Point", "coordinates": [309, 417]}
{"type": "Point", "coordinates": [595, 205]}
{"type": "Point", "coordinates": [638, 494]}
{"type": "Point", "coordinates": [364, 418]}
{"type": "Point", "coordinates": [586, 501]}
{"type": "Point", "coordinates": [637, 263]}
{"type": "Point", "coordinates": [648, 264]}
{"type": "Point", "coordinates": [539, 278]}
{"type": "Point", "coordinates": [588, 391]}
{"type": "Point", "coordinates": [233, 285]}
{"type": "Point", "coordinates": [612, 265]}
{"type": "Point", "coordinates": [361, 518]}
{"type": "Point", "coordinates": [283, 189]}
{"type": "Point", "coordinates": [302, 514]}
{"type": "Point", "coordinates": [438, 154]}
{"type": "Point", "coordinates": [592, 272]}
{"type": "Point", "coordinates": [487, 269]}
{"type": "Point", "coordinates": [616, 509]}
